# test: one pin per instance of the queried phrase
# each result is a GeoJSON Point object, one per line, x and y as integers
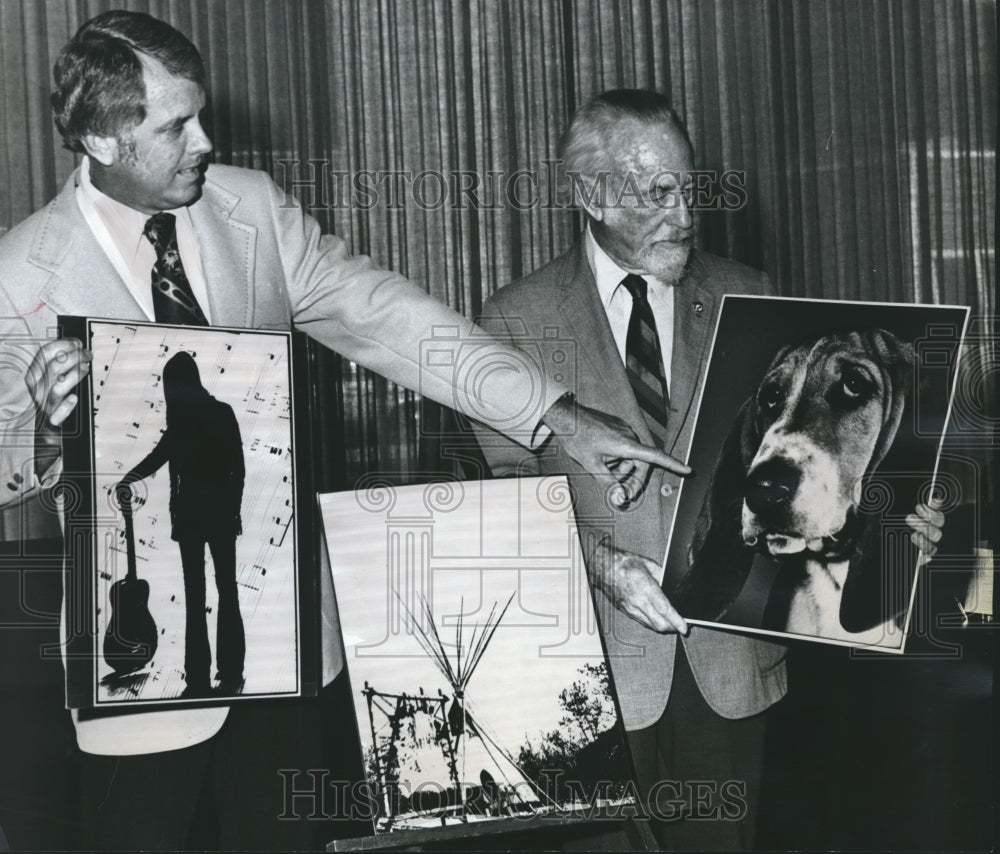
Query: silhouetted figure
{"type": "Point", "coordinates": [204, 453]}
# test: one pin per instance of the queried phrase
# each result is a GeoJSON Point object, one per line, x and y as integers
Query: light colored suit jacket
{"type": "Point", "coordinates": [267, 266]}
{"type": "Point", "coordinates": [558, 308]}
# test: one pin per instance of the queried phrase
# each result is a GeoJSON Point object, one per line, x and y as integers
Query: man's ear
{"type": "Point", "coordinates": [591, 191]}
{"type": "Point", "coordinates": [103, 149]}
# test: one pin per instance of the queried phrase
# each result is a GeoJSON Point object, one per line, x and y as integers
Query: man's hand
{"type": "Point", "coordinates": [927, 526]}
{"type": "Point", "coordinates": [52, 376]}
{"type": "Point", "coordinates": [629, 581]}
{"type": "Point", "coordinates": [608, 448]}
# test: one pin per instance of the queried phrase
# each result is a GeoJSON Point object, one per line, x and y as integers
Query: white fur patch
{"type": "Point", "coordinates": [815, 609]}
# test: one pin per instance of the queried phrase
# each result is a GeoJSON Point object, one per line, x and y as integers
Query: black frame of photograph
{"type": "Point", "coordinates": [263, 375]}
{"type": "Point", "coordinates": [750, 333]}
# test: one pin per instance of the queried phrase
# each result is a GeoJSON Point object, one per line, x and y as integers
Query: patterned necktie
{"type": "Point", "coordinates": [644, 362]}
{"type": "Point", "coordinates": [173, 299]}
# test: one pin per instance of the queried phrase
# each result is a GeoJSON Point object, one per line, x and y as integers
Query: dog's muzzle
{"type": "Point", "coordinates": [771, 487]}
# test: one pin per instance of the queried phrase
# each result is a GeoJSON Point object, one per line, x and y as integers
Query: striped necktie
{"type": "Point", "coordinates": [173, 299]}
{"type": "Point", "coordinates": [644, 362]}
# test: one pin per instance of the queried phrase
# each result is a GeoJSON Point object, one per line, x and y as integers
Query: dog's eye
{"type": "Point", "coordinates": [855, 384]}
{"type": "Point", "coordinates": [771, 396]}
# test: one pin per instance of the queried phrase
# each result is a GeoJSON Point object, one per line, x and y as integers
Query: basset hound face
{"type": "Point", "coordinates": [825, 413]}
{"type": "Point", "coordinates": [790, 473]}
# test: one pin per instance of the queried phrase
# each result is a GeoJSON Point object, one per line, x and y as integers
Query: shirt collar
{"type": "Point", "coordinates": [607, 273]}
{"type": "Point", "coordinates": [119, 218]}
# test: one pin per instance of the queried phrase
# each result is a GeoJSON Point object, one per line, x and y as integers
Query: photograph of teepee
{"type": "Point", "coordinates": [479, 680]}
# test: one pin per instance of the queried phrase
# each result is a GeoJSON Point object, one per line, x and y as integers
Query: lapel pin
{"type": "Point", "coordinates": [698, 307]}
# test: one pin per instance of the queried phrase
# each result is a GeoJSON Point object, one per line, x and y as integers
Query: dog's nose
{"type": "Point", "coordinates": [771, 485]}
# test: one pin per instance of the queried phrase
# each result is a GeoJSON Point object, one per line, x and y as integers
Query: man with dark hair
{"type": "Point", "coordinates": [641, 303]}
{"type": "Point", "coordinates": [145, 230]}
{"type": "Point", "coordinates": [98, 75]}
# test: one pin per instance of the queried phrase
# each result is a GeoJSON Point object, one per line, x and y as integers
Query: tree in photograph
{"type": "Point", "coordinates": [584, 759]}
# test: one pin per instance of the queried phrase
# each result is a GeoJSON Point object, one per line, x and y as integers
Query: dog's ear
{"type": "Point", "coordinates": [863, 601]}
{"type": "Point", "coordinates": [718, 559]}
{"type": "Point", "coordinates": [897, 359]}
{"type": "Point", "coordinates": [879, 576]}
{"type": "Point", "coordinates": [875, 588]}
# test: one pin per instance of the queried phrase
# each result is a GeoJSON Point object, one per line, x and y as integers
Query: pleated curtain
{"type": "Point", "coordinates": [865, 131]}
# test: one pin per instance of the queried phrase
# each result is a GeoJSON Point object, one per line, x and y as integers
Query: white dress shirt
{"type": "Point", "coordinates": [119, 231]}
{"type": "Point", "coordinates": [617, 302]}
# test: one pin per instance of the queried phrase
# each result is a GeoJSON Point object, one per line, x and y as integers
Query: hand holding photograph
{"type": "Point", "coordinates": [835, 414]}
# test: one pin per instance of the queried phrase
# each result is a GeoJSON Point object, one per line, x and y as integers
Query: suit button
{"type": "Point", "coordinates": [666, 490]}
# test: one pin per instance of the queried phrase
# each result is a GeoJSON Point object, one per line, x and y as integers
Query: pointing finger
{"type": "Point", "coordinates": [654, 456]}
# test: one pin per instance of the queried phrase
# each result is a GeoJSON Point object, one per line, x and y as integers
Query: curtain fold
{"type": "Point", "coordinates": [865, 131]}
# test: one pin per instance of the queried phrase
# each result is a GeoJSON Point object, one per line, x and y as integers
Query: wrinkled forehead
{"type": "Point", "coordinates": [648, 148]}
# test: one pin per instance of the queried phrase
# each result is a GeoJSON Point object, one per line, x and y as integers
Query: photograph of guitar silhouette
{"type": "Point", "coordinates": [204, 454]}
{"type": "Point", "coordinates": [195, 588]}
{"type": "Point", "coordinates": [130, 641]}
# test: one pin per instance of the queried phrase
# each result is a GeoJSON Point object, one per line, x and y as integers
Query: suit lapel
{"type": "Point", "coordinates": [694, 309]}
{"type": "Point", "coordinates": [605, 383]}
{"type": "Point", "coordinates": [228, 252]}
{"type": "Point", "coordinates": [606, 380]}
{"type": "Point", "coordinates": [82, 276]}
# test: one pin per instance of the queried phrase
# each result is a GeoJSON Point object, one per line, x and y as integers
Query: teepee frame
{"type": "Point", "coordinates": [458, 673]}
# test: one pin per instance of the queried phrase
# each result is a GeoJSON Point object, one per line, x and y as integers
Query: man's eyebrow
{"type": "Point", "coordinates": [176, 122]}
{"type": "Point", "coordinates": [671, 179]}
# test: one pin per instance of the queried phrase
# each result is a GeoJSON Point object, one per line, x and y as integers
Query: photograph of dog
{"type": "Point", "coordinates": [834, 439]}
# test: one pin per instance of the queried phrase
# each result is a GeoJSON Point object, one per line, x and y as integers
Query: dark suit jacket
{"type": "Point", "coordinates": [557, 307]}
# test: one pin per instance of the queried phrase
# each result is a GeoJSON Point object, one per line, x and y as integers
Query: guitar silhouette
{"type": "Point", "coordinates": [131, 637]}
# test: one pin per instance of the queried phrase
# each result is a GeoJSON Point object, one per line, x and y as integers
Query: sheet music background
{"type": "Point", "coordinates": [250, 372]}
